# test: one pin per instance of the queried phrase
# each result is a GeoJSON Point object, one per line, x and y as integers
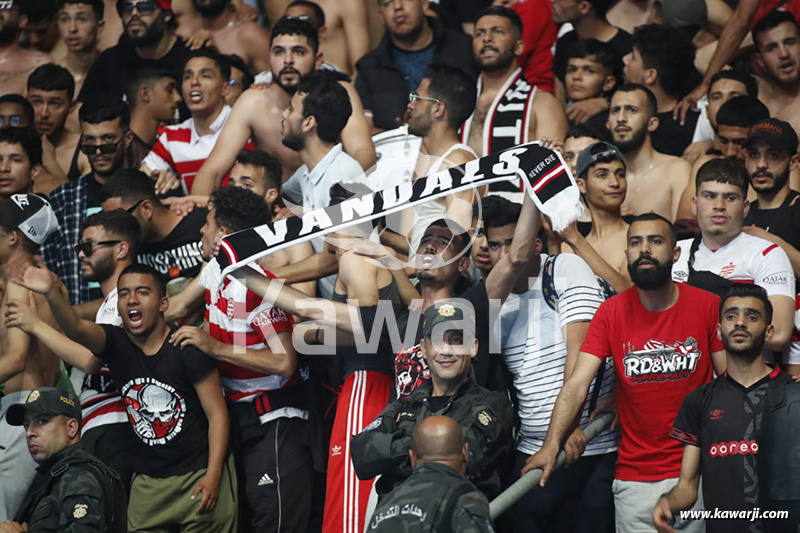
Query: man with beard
{"type": "Point", "coordinates": [311, 125]}
{"type": "Point", "coordinates": [18, 62]}
{"type": "Point", "coordinates": [717, 422]}
{"type": "Point", "coordinates": [105, 136]}
{"type": "Point", "coordinates": [509, 110]}
{"type": "Point", "coordinates": [149, 39]}
{"type": "Point", "coordinates": [655, 180]}
{"type": "Point", "coordinates": [395, 68]}
{"type": "Point", "coordinates": [170, 242]}
{"type": "Point", "coordinates": [771, 155]}
{"type": "Point", "coordinates": [777, 41]}
{"type": "Point", "coordinates": [443, 101]}
{"type": "Point", "coordinates": [662, 337]}
{"type": "Point", "coordinates": [246, 39]}
{"type": "Point", "coordinates": [257, 114]}
{"type": "Point", "coordinates": [723, 253]}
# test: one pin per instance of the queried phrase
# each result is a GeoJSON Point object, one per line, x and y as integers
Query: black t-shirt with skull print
{"type": "Point", "coordinates": [162, 404]}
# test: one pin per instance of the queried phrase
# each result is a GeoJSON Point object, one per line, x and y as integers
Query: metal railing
{"type": "Point", "coordinates": [531, 479]}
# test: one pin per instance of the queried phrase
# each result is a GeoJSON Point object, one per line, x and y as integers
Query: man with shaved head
{"type": "Point", "coordinates": [437, 496]}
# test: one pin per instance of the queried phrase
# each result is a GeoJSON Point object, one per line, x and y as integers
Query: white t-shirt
{"type": "Point", "coordinates": [746, 259]}
{"type": "Point", "coordinates": [535, 351]}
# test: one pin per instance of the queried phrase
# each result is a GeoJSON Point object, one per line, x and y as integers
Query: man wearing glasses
{"type": "Point", "coordinates": [150, 39]}
{"type": "Point", "coordinates": [105, 135]}
{"type": "Point", "coordinates": [17, 63]}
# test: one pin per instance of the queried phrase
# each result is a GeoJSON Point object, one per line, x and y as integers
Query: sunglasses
{"type": "Point", "coordinates": [132, 208]}
{"type": "Point", "coordinates": [88, 247]}
{"type": "Point", "coordinates": [412, 96]}
{"type": "Point", "coordinates": [147, 7]}
{"type": "Point", "coordinates": [13, 120]}
{"type": "Point", "coordinates": [105, 149]}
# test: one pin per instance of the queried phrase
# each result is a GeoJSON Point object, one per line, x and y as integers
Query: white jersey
{"type": "Point", "coordinates": [746, 259]}
{"type": "Point", "coordinates": [101, 403]}
{"type": "Point", "coordinates": [535, 351]}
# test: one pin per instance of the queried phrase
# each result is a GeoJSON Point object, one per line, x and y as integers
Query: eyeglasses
{"type": "Point", "coordinates": [147, 7]}
{"type": "Point", "coordinates": [132, 208]}
{"type": "Point", "coordinates": [412, 96]}
{"type": "Point", "coordinates": [14, 120]}
{"type": "Point", "coordinates": [88, 247]}
{"type": "Point", "coordinates": [105, 149]}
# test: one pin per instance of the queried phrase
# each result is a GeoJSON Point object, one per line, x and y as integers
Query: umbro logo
{"type": "Point", "coordinates": [265, 480]}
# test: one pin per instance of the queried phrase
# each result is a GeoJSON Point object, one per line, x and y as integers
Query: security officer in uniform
{"type": "Point", "coordinates": [73, 490]}
{"type": "Point", "coordinates": [437, 497]}
{"type": "Point", "coordinates": [486, 418]}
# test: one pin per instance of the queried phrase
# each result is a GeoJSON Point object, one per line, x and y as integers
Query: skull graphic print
{"type": "Point", "coordinates": [156, 410]}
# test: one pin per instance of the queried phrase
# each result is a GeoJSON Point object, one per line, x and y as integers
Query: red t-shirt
{"type": "Point", "coordinates": [659, 358]}
{"type": "Point", "coordinates": [539, 33]}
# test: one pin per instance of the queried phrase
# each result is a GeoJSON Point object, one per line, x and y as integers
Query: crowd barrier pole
{"type": "Point", "coordinates": [530, 480]}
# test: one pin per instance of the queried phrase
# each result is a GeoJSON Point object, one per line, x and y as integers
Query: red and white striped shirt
{"type": "Point", "coordinates": [101, 403]}
{"type": "Point", "coordinates": [182, 151]}
{"type": "Point", "coordinates": [240, 317]}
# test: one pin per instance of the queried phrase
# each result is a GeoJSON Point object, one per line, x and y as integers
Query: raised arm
{"type": "Point", "coordinates": [504, 275]}
{"type": "Point", "coordinates": [356, 138]}
{"type": "Point", "coordinates": [618, 279]}
{"type": "Point", "coordinates": [732, 35]}
{"type": "Point", "coordinates": [311, 268]}
{"type": "Point", "coordinates": [37, 278]}
{"type": "Point", "coordinates": [21, 317]}
{"type": "Point", "coordinates": [233, 138]}
{"type": "Point", "coordinates": [298, 303]}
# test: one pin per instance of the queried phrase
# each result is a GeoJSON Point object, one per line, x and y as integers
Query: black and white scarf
{"type": "Point", "coordinates": [547, 177]}
{"type": "Point", "coordinates": [507, 121]}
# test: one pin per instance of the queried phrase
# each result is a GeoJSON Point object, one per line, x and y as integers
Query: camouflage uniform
{"type": "Point", "coordinates": [486, 417]}
{"type": "Point", "coordinates": [73, 491]}
{"type": "Point", "coordinates": [434, 499]}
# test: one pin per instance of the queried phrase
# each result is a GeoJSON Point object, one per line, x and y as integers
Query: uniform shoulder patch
{"type": "Point", "coordinates": [80, 510]}
{"type": "Point", "coordinates": [374, 424]}
{"type": "Point", "coordinates": [485, 418]}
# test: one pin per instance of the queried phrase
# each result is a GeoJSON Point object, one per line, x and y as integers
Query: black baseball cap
{"type": "Point", "coordinates": [446, 312]}
{"type": "Point", "coordinates": [778, 134]}
{"type": "Point", "coordinates": [45, 401]}
{"type": "Point", "coordinates": [593, 153]}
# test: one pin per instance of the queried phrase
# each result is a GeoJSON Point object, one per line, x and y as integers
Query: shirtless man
{"type": "Point", "coordinates": [245, 39]}
{"type": "Point", "coordinates": [80, 22]}
{"type": "Point", "coordinates": [518, 112]}
{"type": "Point", "coordinates": [443, 101]}
{"type": "Point", "coordinates": [343, 36]}
{"type": "Point", "coordinates": [777, 40]}
{"type": "Point", "coordinates": [655, 180]}
{"type": "Point", "coordinates": [257, 113]}
{"type": "Point", "coordinates": [51, 92]}
{"type": "Point", "coordinates": [25, 222]}
{"type": "Point", "coordinates": [601, 179]}
{"type": "Point", "coordinates": [16, 63]}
